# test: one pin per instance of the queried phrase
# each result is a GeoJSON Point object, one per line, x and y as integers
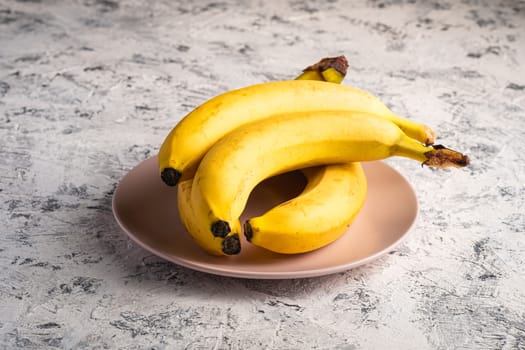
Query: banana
{"type": "Point", "coordinates": [330, 202]}
{"type": "Point", "coordinates": [235, 164]}
{"type": "Point", "coordinates": [319, 192]}
{"type": "Point", "coordinates": [189, 140]}
{"type": "Point", "coordinates": [332, 198]}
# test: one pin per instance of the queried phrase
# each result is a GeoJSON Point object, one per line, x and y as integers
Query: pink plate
{"type": "Point", "coordinates": [146, 209]}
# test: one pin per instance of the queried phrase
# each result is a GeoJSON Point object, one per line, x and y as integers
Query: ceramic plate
{"type": "Point", "coordinates": [146, 209]}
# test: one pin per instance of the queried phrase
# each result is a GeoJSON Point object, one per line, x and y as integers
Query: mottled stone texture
{"type": "Point", "coordinates": [89, 89]}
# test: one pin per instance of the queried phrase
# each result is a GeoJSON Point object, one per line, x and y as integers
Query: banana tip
{"type": "Point", "coordinates": [220, 228]}
{"type": "Point", "coordinates": [170, 176]}
{"type": "Point", "coordinates": [430, 135]}
{"type": "Point", "coordinates": [231, 245]}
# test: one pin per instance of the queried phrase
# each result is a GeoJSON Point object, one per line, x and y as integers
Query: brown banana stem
{"type": "Point", "coordinates": [338, 63]}
{"type": "Point", "coordinates": [437, 156]}
{"type": "Point", "coordinates": [442, 157]}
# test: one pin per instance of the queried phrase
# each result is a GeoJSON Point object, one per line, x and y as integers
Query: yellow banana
{"type": "Point", "coordinates": [330, 202]}
{"type": "Point", "coordinates": [332, 198]}
{"type": "Point", "coordinates": [319, 191]}
{"type": "Point", "coordinates": [190, 139]}
{"type": "Point", "coordinates": [236, 163]}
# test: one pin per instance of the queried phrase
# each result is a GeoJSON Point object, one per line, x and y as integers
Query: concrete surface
{"type": "Point", "coordinates": [89, 89]}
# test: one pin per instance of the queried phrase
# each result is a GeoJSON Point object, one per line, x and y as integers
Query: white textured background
{"type": "Point", "coordinates": [89, 89]}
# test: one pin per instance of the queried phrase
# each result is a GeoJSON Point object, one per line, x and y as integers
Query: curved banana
{"type": "Point", "coordinates": [190, 139]}
{"type": "Point", "coordinates": [318, 190]}
{"type": "Point", "coordinates": [332, 198]}
{"type": "Point", "coordinates": [235, 164]}
{"type": "Point", "coordinates": [330, 202]}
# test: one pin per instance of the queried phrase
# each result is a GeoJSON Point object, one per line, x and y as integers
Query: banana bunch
{"type": "Point", "coordinates": [330, 201]}
{"type": "Point", "coordinates": [221, 150]}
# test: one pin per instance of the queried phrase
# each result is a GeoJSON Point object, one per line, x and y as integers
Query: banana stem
{"type": "Point", "coordinates": [442, 157]}
{"type": "Point", "coordinates": [437, 156]}
{"type": "Point", "coordinates": [333, 75]}
{"type": "Point", "coordinates": [339, 64]}
{"type": "Point", "coordinates": [310, 75]}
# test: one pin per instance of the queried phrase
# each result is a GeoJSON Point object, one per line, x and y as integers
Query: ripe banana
{"type": "Point", "coordinates": [332, 198]}
{"type": "Point", "coordinates": [330, 202]}
{"type": "Point", "coordinates": [235, 164]}
{"type": "Point", "coordinates": [190, 139]}
{"type": "Point", "coordinates": [320, 191]}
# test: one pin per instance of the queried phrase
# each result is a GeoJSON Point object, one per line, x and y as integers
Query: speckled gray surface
{"type": "Point", "coordinates": [88, 90]}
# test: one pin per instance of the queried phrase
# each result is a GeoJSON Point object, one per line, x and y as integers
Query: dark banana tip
{"type": "Point", "coordinates": [248, 231]}
{"type": "Point", "coordinates": [220, 228]}
{"type": "Point", "coordinates": [170, 176]}
{"type": "Point", "coordinates": [231, 245]}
